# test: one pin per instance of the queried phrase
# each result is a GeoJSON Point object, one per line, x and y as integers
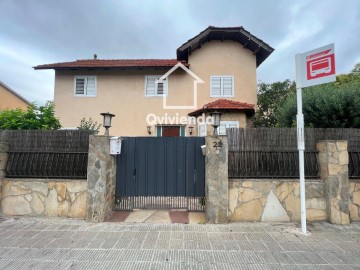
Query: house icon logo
{"type": "Point", "coordinates": [196, 79]}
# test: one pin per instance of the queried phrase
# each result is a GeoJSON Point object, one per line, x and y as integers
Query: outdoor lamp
{"type": "Point", "coordinates": [215, 120]}
{"type": "Point", "coordinates": [148, 130]}
{"type": "Point", "coordinates": [191, 130]}
{"type": "Point", "coordinates": [107, 122]}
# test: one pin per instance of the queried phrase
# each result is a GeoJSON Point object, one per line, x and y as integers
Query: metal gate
{"type": "Point", "coordinates": [161, 173]}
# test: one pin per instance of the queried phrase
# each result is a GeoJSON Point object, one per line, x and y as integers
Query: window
{"type": "Point", "coordinates": [85, 86]}
{"type": "Point", "coordinates": [202, 130]}
{"type": "Point", "coordinates": [221, 86]}
{"type": "Point", "coordinates": [155, 89]}
{"type": "Point", "coordinates": [227, 124]}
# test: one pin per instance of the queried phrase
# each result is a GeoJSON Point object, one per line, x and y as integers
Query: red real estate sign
{"type": "Point", "coordinates": [320, 64]}
{"type": "Point", "coordinates": [316, 66]}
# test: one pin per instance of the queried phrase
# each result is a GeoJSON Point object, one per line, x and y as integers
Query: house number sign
{"type": "Point", "coordinates": [218, 145]}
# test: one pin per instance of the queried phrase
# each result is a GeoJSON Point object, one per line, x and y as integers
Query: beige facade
{"type": "Point", "coordinates": [123, 92]}
{"type": "Point", "coordinates": [11, 100]}
{"type": "Point", "coordinates": [223, 59]}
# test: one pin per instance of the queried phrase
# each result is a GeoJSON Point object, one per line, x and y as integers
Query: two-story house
{"type": "Point", "coordinates": [151, 98]}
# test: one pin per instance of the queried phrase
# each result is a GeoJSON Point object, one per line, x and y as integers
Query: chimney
{"type": "Point", "coordinates": [95, 56]}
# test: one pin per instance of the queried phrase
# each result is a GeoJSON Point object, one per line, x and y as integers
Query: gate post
{"type": "Point", "coordinates": [4, 148]}
{"type": "Point", "coordinates": [100, 200]}
{"type": "Point", "coordinates": [333, 160]}
{"type": "Point", "coordinates": [216, 179]}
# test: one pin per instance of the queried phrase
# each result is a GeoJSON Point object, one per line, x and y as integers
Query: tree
{"type": "Point", "coordinates": [89, 125]}
{"type": "Point", "coordinates": [33, 118]}
{"type": "Point", "coordinates": [270, 97]}
{"type": "Point", "coordinates": [325, 106]}
{"type": "Point", "coordinates": [356, 69]}
{"type": "Point", "coordinates": [353, 76]}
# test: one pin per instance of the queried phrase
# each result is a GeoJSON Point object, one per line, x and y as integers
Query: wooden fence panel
{"type": "Point", "coordinates": [47, 154]}
{"type": "Point", "coordinates": [272, 152]}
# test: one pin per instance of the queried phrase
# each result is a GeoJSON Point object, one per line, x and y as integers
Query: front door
{"type": "Point", "coordinates": [170, 131]}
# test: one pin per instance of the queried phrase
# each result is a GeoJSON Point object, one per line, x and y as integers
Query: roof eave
{"type": "Point", "coordinates": [261, 49]}
{"type": "Point", "coordinates": [248, 111]}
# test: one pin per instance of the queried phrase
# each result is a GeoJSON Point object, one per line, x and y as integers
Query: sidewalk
{"type": "Point", "coordinates": [34, 243]}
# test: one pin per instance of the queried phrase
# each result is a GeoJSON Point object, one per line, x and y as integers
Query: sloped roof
{"type": "Point", "coordinates": [237, 34]}
{"type": "Point", "coordinates": [225, 105]}
{"type": "Point", "coordinates": [112, 64]}
{"type": "Point", "coordinates": [14, 92]}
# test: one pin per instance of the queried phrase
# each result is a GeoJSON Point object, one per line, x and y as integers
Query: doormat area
{"type": "Point", "coordinates": [179, 217]}
{"type": "Point", "coordinates": [119, 216]}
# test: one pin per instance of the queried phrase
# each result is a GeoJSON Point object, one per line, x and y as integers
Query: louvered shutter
{"type": "Point", "coordinates": [227, 83]}
{"type": "Point", "coordinates": [202, 130]}
{"type": "Point", "coordinates": [161, 88]}
{"type": "Point", "coordinates": [91, 86]}
{"type": "Point", "coordinates": [79, 86]}
{"type": "Point", "coordinates": [215, 86]}
{"type": "Point", "coordinates": [150, 86]}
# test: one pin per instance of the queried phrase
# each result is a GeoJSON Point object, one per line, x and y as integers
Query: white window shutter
{"type": "Point", "coordinates": [150, 86]}
{"type": "Point", "coordinates": [222, 129]}
{"type": "Point", "coordinates": [227, 83]}
{"type": "Point", "coordinates": [79, 86]}
{"type": "Point", "coordinates": [91, 86]}
{"type": "Point", "coordinates": [233, 124]}
{"type": "Point", "coordinates": [202, 130]}
{"type": "Point", "coordinates": [215, 86]}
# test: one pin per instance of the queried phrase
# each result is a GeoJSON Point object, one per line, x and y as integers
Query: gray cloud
{"type": "Point", "coordinates": [46, 31]}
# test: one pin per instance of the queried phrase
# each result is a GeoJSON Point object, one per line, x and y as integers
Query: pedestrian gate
{"type": "Point", "coordinates": [161, 172]}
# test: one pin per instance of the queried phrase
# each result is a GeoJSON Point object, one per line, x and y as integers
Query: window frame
{"type": "Point", "coordinates": [85, 85]}
{"type": "Point", "coordinates": [222, 85]}
{"type": "Point", "coordinates": [227, 123]}
{"type": "Point", "coordinates": [205, 128]}
{"type": "Point", "coordinates": [159, 129]}
{"type": "Point", "coordinates": [157, 77]}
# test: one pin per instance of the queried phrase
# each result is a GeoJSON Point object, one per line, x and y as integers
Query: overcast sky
{"type": "Point", "coordinates": [47, 31]}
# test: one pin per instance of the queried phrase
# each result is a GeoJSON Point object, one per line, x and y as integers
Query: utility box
{"type": "Point", "coordinates": [115, 145]}
{"type": "Point", "coordinates": [203, 149]}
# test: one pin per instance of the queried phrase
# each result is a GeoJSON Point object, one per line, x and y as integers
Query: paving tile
{"type": "Point", "coordinates": [175, 246]}
{"type": "Point", "coordinates": [160, 216]}
{"type": "Point", "coordinates": [179, 217]}
{"type": "Point", "coordinates": [197, 218]}
{"type": "Point", "coordinates": [119, 216]}
{"type": "Point", "coordinates": [138, 216]}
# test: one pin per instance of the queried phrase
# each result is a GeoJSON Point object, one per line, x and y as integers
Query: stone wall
{"type": "Point", "coordinates": [354, 201]}
{"type": "Point", "coordinates": [101, 180]}
{"type": "Point", "coordinates": [275, 200]}
{"type": "Point", "coordinates": [4, 148]}
{"type": "Point", "coordinates": [44, 197]}
{"type": "Point", "coordinates": [333, 160]}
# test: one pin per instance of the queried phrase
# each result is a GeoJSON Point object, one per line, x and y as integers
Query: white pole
{"type": "Point", "coordinates": [301, 148]}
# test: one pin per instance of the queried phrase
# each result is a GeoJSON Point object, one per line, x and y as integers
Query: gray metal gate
{"type": "Point", "coordinates": [161, 172]}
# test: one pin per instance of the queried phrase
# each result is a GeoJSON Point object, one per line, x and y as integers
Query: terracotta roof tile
{"type": "Point", "coordinates": [115, 63]}
{"type": "Point", "coordinates": [224, 104]}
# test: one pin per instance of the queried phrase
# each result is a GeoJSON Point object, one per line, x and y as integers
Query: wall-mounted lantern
{"type": "Point", "coordinates": [215, 121]}
{"type": "Point", "coordinates": [191, 130]}
{"type": "Point", "coordinates": [107, 122]}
